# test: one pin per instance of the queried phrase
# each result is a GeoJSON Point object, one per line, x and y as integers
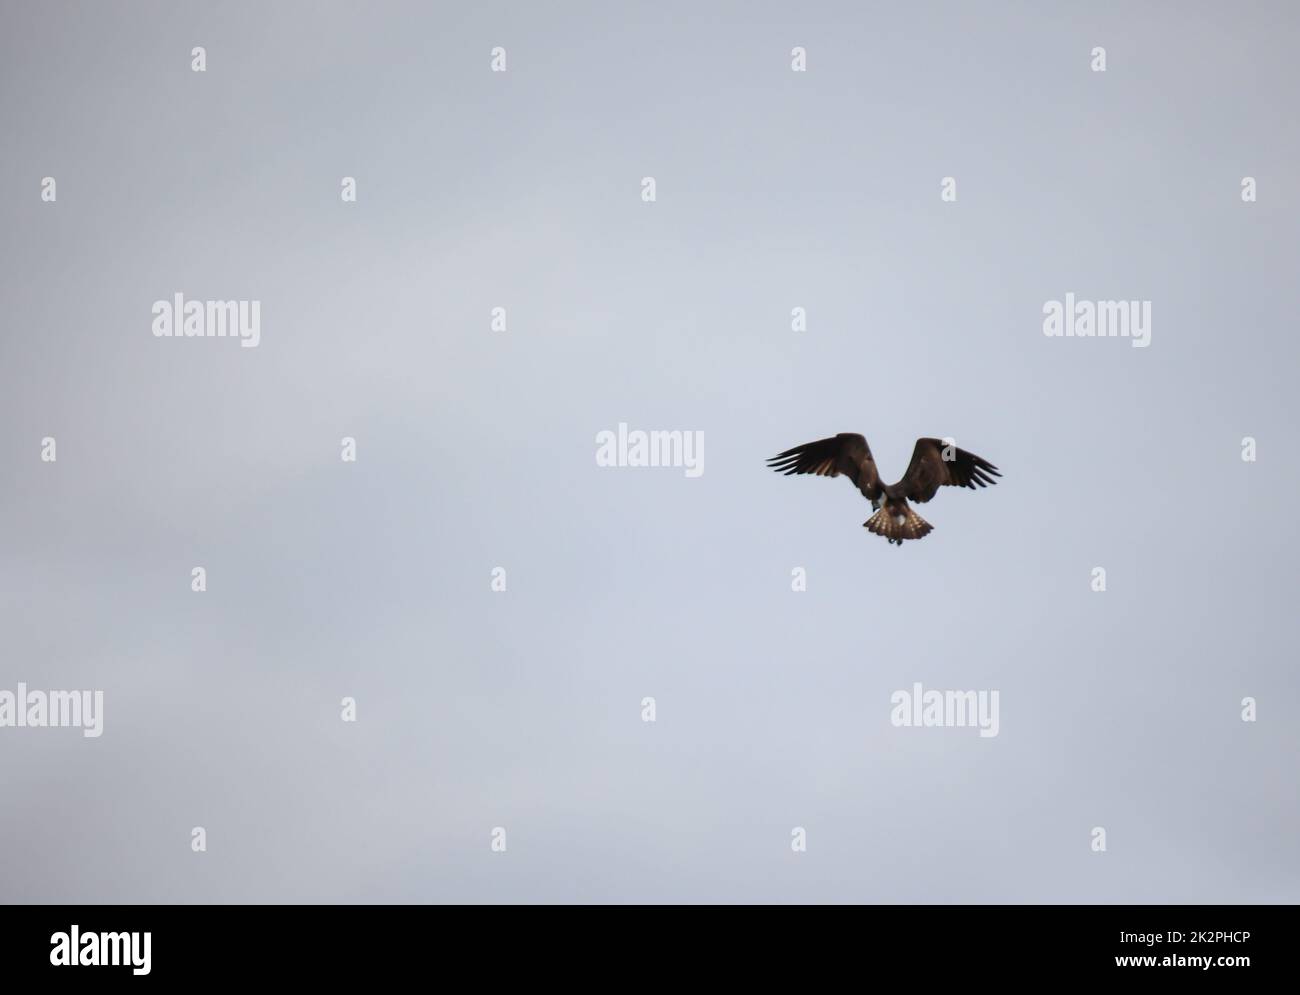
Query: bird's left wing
{"type": "Point", "coordinates": [930, 470]}
{"type": "Point", "coordinates": [846, 453]}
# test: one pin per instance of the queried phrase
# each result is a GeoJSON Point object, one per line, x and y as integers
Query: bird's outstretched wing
{"type": "Point", "coordinates": [846, 453]}
{"type": "Point", "coordinates": [929, 471]}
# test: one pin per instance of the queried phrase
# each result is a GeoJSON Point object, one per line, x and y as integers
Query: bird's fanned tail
{"type": "Point", "coordinates": [897, 524]}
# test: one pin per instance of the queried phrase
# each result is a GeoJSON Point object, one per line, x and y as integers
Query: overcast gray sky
{"type": "Point", "coordinates": [522, 709]}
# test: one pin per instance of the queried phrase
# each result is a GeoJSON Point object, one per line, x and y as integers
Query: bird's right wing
{"type": "Point", "coordinates": [846, 453]}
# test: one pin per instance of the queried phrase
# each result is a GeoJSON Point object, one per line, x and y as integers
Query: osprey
{"type": "Point", "coordinates": [934, 464]}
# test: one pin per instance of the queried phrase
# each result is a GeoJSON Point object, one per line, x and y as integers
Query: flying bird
{"type": "Point", "coordinates": [934, 464]}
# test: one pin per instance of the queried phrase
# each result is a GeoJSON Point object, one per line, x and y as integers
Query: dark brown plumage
{"type": "Point", "coordinates": [934, 464]}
